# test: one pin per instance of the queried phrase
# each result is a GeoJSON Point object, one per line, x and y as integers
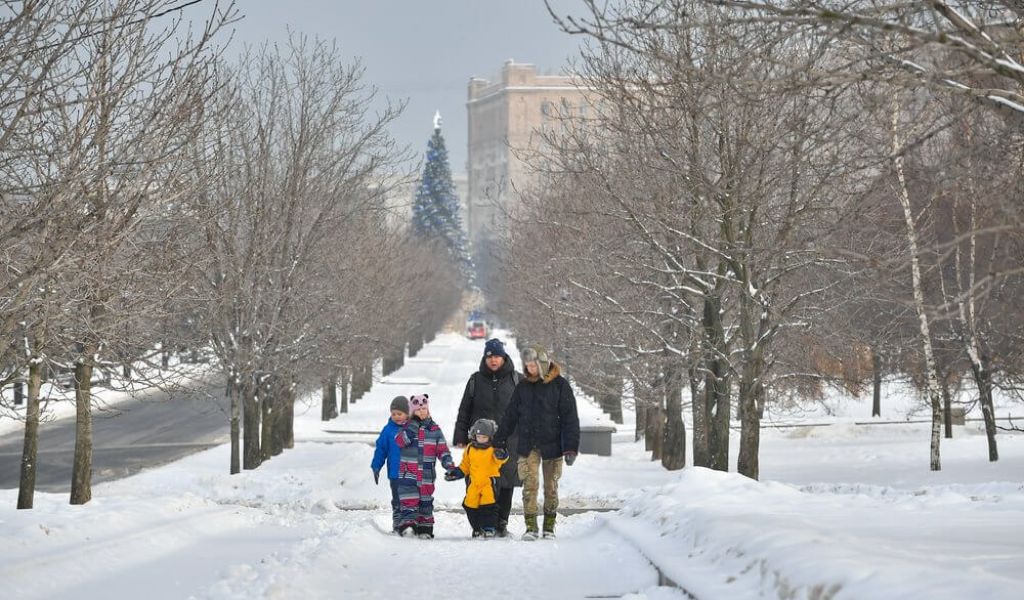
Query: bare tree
{"type": "Point", "coordinates": [300, 252]}
{"type": "Point", "coordinates": [731, 182]}
{"type": "Point", "coordinates": [106, 97]}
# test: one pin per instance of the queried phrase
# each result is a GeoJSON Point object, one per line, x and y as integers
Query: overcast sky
{"type": "Point", "coordinates": [422, 50]}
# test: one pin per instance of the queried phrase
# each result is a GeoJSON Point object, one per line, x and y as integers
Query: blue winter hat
{"type": "Point", "coordinates": [494, 347]}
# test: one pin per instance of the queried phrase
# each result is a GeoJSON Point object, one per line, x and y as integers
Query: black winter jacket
{"type": "Point", "coordinates": [543, 414]}
{"type": "Point", "coordinates": [487, 395]}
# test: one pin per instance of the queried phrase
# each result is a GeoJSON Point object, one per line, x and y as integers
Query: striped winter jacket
{"type": "Point", "coordinates": [422, 443]}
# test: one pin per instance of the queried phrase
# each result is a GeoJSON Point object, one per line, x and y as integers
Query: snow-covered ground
{"type": "Point", "coordinates": [843, 511]}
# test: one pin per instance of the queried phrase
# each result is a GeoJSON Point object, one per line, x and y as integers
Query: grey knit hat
{"type": "Point", "coordinates": [400, 403]}
{"type": "Point", "coordinates": [483, 427]}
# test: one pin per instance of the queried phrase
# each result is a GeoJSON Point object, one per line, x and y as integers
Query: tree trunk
{"type": "Point", "coordinates": [656, 431]}
{"type": "Point", "coordinates": [650, 425]}
{"type": "Point", "coordinates": [641, 419]}
{"type": "Point", "coordinates": [390, 363]}
{"type": "Point", "coordinates": [876, 398]}
{"type": "Point", "coordinates": [252, 457]}
{"type": "Point", "coordinates": [234, 393]}
{"type": "Point", "coordinates": [333, 400]}
{"type": "Point", "coordinates": [279, 419]}
{"type": "Point", "coordinates": [362, 379]}
{"type": "Point", "coordinates": [81, 470]}
{"type": "Point", "coordinates": [367, 378]}
{"type": "Point", "coordinates": [30, 450]}
{"type": "Point", "coordinates": [967, 309]}
{"type": "Point", "coordinates": [934, 395]}
{"type": "Point", "coordinates": [400, 356]}
{"type": "Point", "coordinates": [701, 416]}
{"type": "Point", "coordinates": [268, 411]}
{"type": "Point", "coordinates": [673, 456]}
{"type": "Point", "coordinates": [611, 398]}
{"type": "Point", "coordinates": [716, 384]}
{"type": "Point", "coordinates": [288, 439]}
{"type": "Point", "coordinates": [415, 341]}
{"type": "Point", "coordinates": [356, 378]}
{"type": "Point", "coordinates": [327, 407]}
{"type": "Point", "coordinates": [947, 408]}
{"type": "Point", "coordinates": [754, 333]}
{"type": "Point", "coordinates": [611, 404]}
{"type": "Point", "coordinates": [344, 390]}
{"type": "Point", "coordinates": [279, 432]}
{"type": "Point", "coordinates": [751, 397]}
{"type": "Point", "coordinates": [983, 379]}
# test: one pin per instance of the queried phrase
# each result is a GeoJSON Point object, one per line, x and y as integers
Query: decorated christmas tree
{"type": "Point", "coordinates": [435, 212]}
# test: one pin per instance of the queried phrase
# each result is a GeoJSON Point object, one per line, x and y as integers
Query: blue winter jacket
{"type": "Point", "coordinates": [387, 449]}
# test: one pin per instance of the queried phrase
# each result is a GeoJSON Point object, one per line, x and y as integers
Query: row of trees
{"type": "Point", "coordinates": [157, 196]}
{"type": "Point", "coordinates": [770, 197]}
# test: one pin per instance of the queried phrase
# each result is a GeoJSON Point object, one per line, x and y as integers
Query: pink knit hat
{"type": "Point", "coordinates": [419, 401]}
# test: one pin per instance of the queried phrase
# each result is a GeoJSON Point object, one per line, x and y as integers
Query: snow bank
{"type": "Point", "coordinates": [746, 537]}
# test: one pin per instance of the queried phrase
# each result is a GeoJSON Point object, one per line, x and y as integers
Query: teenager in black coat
{"type": "Point", "coordinates": [542, 413]}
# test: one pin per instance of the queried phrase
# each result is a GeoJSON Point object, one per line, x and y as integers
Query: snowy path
{"type": "Point", "coordinates": [350, 553]}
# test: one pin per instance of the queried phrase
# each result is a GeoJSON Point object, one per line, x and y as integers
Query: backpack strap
{"type": "Point", "coordinates": [516, 378]}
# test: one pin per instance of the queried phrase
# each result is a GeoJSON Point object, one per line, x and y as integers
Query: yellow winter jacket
{"type": "Point", "coordinates": [480, 465]}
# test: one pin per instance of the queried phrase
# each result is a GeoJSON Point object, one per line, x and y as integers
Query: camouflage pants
{"type": "Point", "coordinates": [529, 471]}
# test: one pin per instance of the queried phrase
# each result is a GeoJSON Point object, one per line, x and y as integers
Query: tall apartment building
{"type": "Point", "coordinates": [506, 115]}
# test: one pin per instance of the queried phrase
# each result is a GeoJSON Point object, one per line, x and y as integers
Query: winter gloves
{"type": "Point", "coordinates": [376, 476]}
{"type": "Point", "coordinates": [454, 474]}
{"type": "Point", "coordinates": [570, 457]}
{"type": "Point", "coordinates": [500, 453]}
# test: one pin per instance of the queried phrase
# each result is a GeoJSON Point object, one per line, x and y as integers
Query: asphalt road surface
{"type": "Point", "coordinates": [155, 429]}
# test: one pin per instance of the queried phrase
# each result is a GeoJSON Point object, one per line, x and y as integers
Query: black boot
{"type": "Point", "coordinates": [502, 529]}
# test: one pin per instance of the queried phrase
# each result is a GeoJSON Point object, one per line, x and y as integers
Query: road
{"type": "Point", "coordinates": [153, 430]}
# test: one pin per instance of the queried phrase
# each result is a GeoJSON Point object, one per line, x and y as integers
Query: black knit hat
{"type": "Point", "coordinates": [400, 403]}
{"type": "Point", "coordinates": [494, 347]}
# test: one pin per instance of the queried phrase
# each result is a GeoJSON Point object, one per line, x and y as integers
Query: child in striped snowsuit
{"type": "Point", "coordinates": [422, 444]}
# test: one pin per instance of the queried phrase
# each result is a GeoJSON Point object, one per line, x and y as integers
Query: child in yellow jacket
{"type": "Point", "coordinates": [481, 466]}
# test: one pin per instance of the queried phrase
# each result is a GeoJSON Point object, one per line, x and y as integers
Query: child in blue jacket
{"type": "Point", "coordinates": [388, 451]}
